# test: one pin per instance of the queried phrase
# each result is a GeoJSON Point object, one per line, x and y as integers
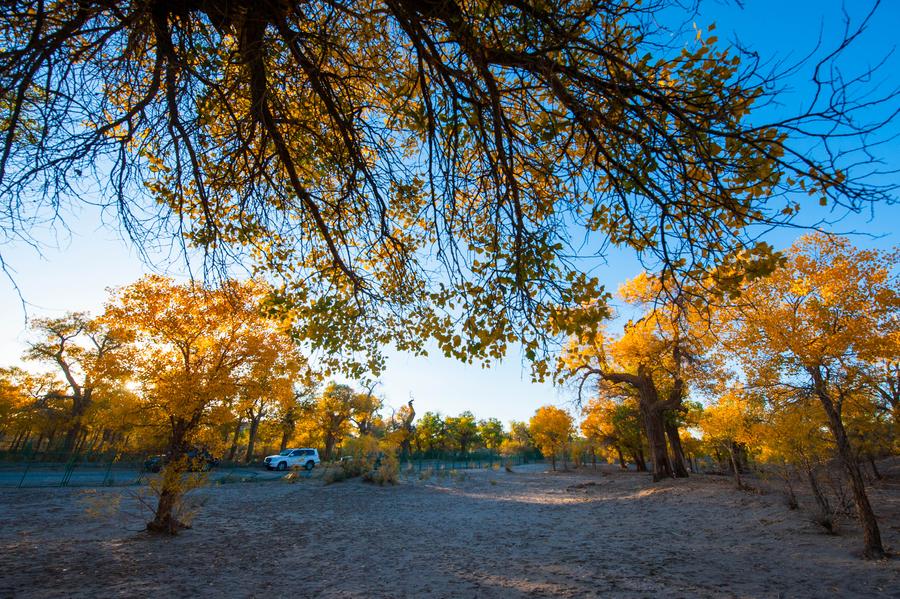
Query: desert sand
{"type": "Point", "coordinates": [475, 534]}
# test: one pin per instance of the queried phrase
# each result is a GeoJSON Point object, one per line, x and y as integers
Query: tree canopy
{"type": "Point", "coordinates": [405, 171]}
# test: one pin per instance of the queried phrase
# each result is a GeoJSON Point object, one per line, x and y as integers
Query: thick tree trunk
{"type": "Point", "coordinates": [873, 547]}
{"type": "Point", "coordinates": [656, 437]}
{"type": "Point", "coordinates": [330, 441]}
{"type": "Point", "coordinates": [79, 407]}
{"type": "Point", "coordinates": [165, 520]}
{"type": "Point", "coordinates": [622, 463]}
{"type": "Point", "coordinates": [234, 440]}
{"type": "Point", "coordinates": [640, 463]}
{"type": "Point", "coordinates": [677, 452]}
{"type": "Point", "coordinates": [251, 441]}
{"type": "Point", "coordinates": [285, 437]}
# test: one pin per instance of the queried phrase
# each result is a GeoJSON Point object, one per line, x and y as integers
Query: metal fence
{"type": "Point", "coordinates": [47, 469]}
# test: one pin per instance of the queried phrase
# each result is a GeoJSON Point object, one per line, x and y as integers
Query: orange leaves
{"type": "Point", "coordinates": [550, 428]}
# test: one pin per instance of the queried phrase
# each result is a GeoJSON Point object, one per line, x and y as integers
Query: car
{"type": "Point", "coordinates": [199, 460]}
{"type": "Point", "coordinates": [304, 457]}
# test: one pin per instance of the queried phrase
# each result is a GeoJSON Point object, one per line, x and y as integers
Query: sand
{"type": "Point", "coordinates": [484, 534]}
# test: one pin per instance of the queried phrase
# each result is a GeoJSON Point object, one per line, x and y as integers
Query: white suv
{"type": "Point", "coordinates": [293, 458]}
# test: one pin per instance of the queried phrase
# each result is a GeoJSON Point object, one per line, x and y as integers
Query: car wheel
{"type": "Point", "coordinates": [310, 465]}
{"type": "Point", "coordinates": [282, 465]}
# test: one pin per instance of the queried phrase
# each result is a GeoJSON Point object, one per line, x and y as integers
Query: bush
{"type": "Point", "coordinates": [335, 475]}
{"type": "Point", "coordinates": [388, 468]}
{"type": "Point", "coordinates": [359, 456]}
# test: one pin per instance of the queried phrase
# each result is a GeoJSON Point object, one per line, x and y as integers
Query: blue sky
{"type": "Point", "coordinates": [77, 266]}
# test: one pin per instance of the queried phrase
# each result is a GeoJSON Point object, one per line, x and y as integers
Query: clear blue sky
{"type": "Point", "coordinates": [75, 273]}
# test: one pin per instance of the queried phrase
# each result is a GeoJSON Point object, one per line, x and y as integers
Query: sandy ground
{"type": "Point", "coordinates": [487, 534]}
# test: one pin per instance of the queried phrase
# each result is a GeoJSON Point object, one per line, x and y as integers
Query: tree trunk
{"type": "Point", "coordinates": [656, 437]}
{"type": "Point", "coordinates": [251, 441]}
{"type": "Point", "coordinates": [873, 547]}
{"type": "Point", "coordinates": [329, 446]}
{"type": "Point", "coordinates": [677, 452]}
{"type": "Point", "coordinates": [285, 437]}
{"type": "Point", "coordinates": [793, 504]}
{"type": "Point", "coordinates": [637, 456]}
{"type": "Point", "coordinates": [734, 465]}
{"type": "Point", "coordinates": [622, 464]}
{"type": "Point", "coordinates": [875, 471]}
{"type": "Point", "coordinates": [79, 407]}
{"type": "Point", "coordinates": [818, 494]}
{"type": "Point", "coordinates": [234, 439]}
{"type": "Point", "coordinates": [164, 519]}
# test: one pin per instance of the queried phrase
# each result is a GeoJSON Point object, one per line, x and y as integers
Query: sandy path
{"type": "Point", "coordinates": [491, 534]}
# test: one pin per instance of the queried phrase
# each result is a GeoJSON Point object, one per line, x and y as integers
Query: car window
{"type": "Point", "coordinates": [308, 452]}
{"type": "Point", "coordinates": [298, 452]}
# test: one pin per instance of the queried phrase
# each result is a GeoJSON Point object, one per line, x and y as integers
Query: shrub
{"type": "Point", "coordinates": [388, 468]}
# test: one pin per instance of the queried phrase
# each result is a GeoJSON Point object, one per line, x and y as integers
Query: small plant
{"type": "Point", "coordinates": [426, 474]}
{"type": "Point", "coordinates": [174, 509]}
{"type": "Point", "coordinates": [335, 475]}
{"type": "Point", "coordinates": [826, 520]}
{"type": "Point", "coordinates": [388, 467]}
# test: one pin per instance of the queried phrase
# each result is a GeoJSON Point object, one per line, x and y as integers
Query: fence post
{"type": "Point", "coordinates": [27, 468]}
{"type": "Point", "coordinates": [108, 470]}
{"type": "Point", "coordinates": [70, 467]}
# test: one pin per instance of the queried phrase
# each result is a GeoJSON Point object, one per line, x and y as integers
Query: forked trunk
{"type": "Point", "coordinates": [622, 464]}
{"type": "Point", "coordinates": [678, 460]}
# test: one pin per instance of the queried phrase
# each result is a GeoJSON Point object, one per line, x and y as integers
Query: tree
{"type": "Point", "coordinates": [431, 432]}
{"type": "Point", "coordinates": [657, 357]}
{"type": "Point", "coordinates": [29, 402]}
{"type": "Point", "coordinates": [820, 323]}
{"type": "Point", "coordinates": [730, 424]}
{"type": "Point", "coordinates": [615, 423]}
{"type": "Point", "coordinates": [267, 378]}
{"type": "Point", "coordinates": [365, 408]}
{"type": "Point", "coordinates": [401, 431]}
{"type": "Point", "coordinates": [551, 428]}
{"type": "Point", "coordinates": [331, 415]}
{"type": "Point", "coordinates": [191, 344]}
{"type": "Point", "coordinates": [462, 430]}
{"type": "Point", "coordinates": [491, 433]}
{"type": "Point", "coordinates": [87, 353]}
{"type": "Point", "coordinates": [483, 135]}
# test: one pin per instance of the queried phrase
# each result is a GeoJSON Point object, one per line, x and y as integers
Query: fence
{"type": "Point", "coordinates": [48, 469]}
{"type": "Point", "coordinates": [450, 461]}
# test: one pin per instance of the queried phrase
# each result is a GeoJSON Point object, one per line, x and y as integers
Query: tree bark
{"type": "Point", "coordinates": [637, 456]}
{"type": "Point", "coordinates": [875, 471]}
{"type": "Point", "coordinates": [251, 441]}
{"type": "Point", "coordinates": [656, 437]}
{"type": "Point", "coordinates": [734, 466]}
{"type": "Point", "coordinates": [622, 464]}
{"type": "Point", "coordinates": [873, 547]}
{"type": "Point", "coordinates": [164, 519]}
{"type": "Point", "coordinates": [677, 452]}
{"type": "Point", "coordinates": [234, 440]}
